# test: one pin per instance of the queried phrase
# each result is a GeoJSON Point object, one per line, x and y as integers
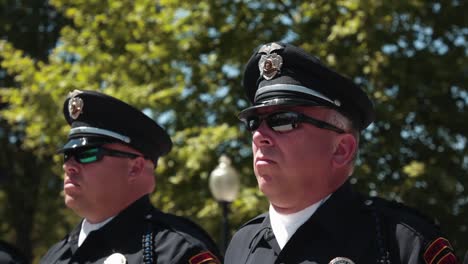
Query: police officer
{"type": "Point", "coordinates": [305, 123]}
{"type": "Point", "coordinates": [109, 161]}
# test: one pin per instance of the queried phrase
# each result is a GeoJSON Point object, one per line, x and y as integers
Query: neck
{"type": "Point", "coordinates": [111, 211]}
{"type": "Point", "coordinates": [284, 208]}
{"type": "Point", "coordinates": [298, 208]}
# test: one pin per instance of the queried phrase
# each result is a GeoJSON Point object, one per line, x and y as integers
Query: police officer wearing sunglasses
{"type": "Point", "coordinates": [109, 161]}
{"type": "Point", "coordinates": [305, 121]}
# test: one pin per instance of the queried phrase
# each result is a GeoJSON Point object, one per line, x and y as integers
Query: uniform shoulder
{"type": "Point", "coordinates": [179, 224]}
{"type": "Point", "coordinates": [185, 230]}
{"type": "Point", "coordinates": [244, 238]}
{"type": "Point", "coordinates": [249, 229]}
{"type": "Point", "coordinates": [408, 222]}
{"type": "Point", "coordinates": [403, 214]}
{"type": "Point", "coordinates": [413, 227]}
{"type": "Point", "coordinates": [254, 221]}
{"type": "Point", "coordinates": [50, 255]}
{"type": "Point", "coordinates": [10, 254]}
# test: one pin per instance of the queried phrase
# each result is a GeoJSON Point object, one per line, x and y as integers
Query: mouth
{"type": "Point", "coordinates": [68, 183]}
{"type": "Point", "coordinates": [263, 161]}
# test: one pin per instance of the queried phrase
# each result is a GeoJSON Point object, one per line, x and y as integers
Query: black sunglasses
{"type": "Point", "coordinates": [90, 155]}
{"type": "Point", "coordinates": [286, 121]}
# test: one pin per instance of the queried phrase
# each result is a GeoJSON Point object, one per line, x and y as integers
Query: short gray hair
{"type": "Point", "coordinates": [339, 120]}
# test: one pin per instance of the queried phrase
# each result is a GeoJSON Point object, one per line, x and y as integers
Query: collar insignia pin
{"type": "Point", "coordinates": [341, 260]}
{"type": "Point", "coordinates": [270, 63]}
{"type": "Point", "coordinates": [115, 258]}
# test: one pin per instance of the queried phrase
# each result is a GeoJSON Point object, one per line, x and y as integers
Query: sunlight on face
{"type": "Point", "coordinates": [294, 167]}
{"type": "Point", "coordinates": [95, 188]}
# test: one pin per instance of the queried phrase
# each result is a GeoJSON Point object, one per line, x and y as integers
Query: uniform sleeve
{"type": "Point", "coordinates": [182, 248]}
{"type": "Point", "coordinates": [439, 250]}
{"type": "Point", "coordinates": [183, 252]}
{"type": "Point", "coordinates": [198, 256]}
{"type": "Point", "coordinates": [418, 248]}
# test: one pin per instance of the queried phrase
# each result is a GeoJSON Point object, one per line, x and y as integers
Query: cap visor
{"type": "Point", "coordinates": [81, 142]}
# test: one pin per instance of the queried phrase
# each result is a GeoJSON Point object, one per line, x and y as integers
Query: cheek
{"type": "Point", "coordinates": [96, 182]}
{"type": "Point", "coordinates": [307, 151]}
{"type": "Point", "coordinates": [106, 178]}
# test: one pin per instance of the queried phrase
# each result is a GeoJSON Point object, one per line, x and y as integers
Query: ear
{"type": "Point", "coordinates": [345, 150]}
{"type": "Point", "coordinates": [136, 167]}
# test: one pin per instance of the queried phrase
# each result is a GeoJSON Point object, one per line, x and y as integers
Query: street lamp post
{"type": "Point", "coordinates": [224, 185]}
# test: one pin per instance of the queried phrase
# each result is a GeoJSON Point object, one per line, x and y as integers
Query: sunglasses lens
{"type": "Point", "coordinates": [87, 156]}
{"type": "Point", "coordinates": [279, 122]}
{"type": "Point", "coordinates": [286, 121]}
{"type": "Point", "coordinates": [252, 123]}
{"type": "Point", "coordinates": [282, 122]}
{"type": "Point", "coordinates": [84, 156]}
{"type": "Point", "coordinates": [67, 156]}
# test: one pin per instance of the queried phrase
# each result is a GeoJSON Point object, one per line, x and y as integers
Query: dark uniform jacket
{"type": "Point", "coordinates": [347, 227]}
{"type": "Point", "coordinates": [176, 240]}
{"type": "Point", "coordinates": [10, 254]}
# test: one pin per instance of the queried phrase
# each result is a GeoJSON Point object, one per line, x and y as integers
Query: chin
{"type": "Point", "coordinates": [71, 202]}
{"type": "Point", "coordinates": [266, 188]}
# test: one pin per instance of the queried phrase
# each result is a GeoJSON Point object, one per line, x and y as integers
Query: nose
{"type": "Point", "coordinates": [263, 136]}
{"type": "Point", "coordinates": [71, 166]}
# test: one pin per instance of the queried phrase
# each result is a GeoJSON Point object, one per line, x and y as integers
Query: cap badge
{"type": "Point", "coordinates": [270, 63]}
{"type": "Point", "coordinates": [341, 260]}
{"type": "Point", "coordinates": [268, 48]}
{"type": "Point", "coordinates": [75, 107]}
{"type": "Point", "coordinates": [115, 258]}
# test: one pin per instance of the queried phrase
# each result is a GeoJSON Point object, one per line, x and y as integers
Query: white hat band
{"type": "Point", "coordinates": [99, 131]}
{"type": "Point", "coordinates": [294, 88]}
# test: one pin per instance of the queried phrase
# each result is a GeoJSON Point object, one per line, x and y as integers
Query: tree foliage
{"type": "Point", "coordinates": [182, 62]}
{"type": "Point", "coordinates": [33, 27]}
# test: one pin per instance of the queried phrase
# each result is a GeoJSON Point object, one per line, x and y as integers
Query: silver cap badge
{"type": "Point", "coordinates": [341, 260]}
{"type": "Point", "coordinates": [75, 105]}
{"type": "Point", "coordinates": [270, 63]}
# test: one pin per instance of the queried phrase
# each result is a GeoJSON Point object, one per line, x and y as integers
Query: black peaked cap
{"type": "Point", "coordinates": [280, 74]}
{"type": "Point", "coordinates": [96, 118]}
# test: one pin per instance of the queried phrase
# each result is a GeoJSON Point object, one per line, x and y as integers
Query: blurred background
{"type": "Point", "coordinates": [182, 61]}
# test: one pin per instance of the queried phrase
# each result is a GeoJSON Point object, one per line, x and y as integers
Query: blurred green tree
{"type": "Point", "coordinates": [33, 27]}
{"type": "Point", "coordinates": [182, 62]}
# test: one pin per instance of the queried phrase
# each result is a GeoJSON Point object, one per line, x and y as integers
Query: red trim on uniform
{"type": "Point", "coordinates": [434, 249]}
{"type": "Point", "coordinates": [203, 257]}
{"type": "Point", "coordinates": [448, 259]}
